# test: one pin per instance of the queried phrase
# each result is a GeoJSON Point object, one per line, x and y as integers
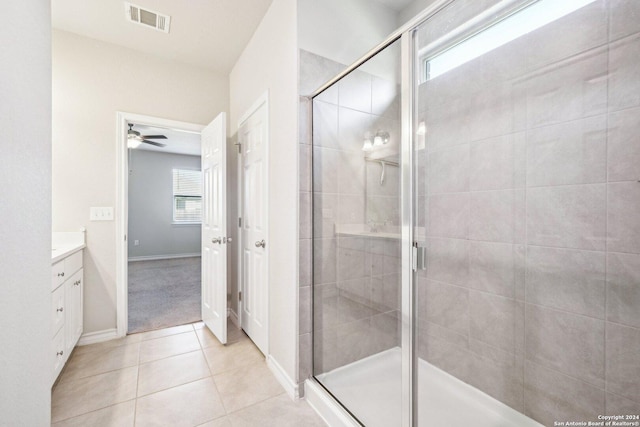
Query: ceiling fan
{"type": "Point", "coordinates": [134, 139]}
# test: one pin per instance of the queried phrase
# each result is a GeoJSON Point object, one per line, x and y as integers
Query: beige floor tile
{"type": "Point", "coordinates": [187, 405]}
{"type": "Point", "coordinates": [77, 397]}
{"type": "Point", "coordinates": [247, 385]}
{"type": "Point", "coordinates": [86, 364]}
{"type": "Point", "coordinates": [129, 339]}
{"type": "Point", "coordinates": [232, 356]}
{"type": "Point", "coordinates": [165, 332]}
{"type": "Point", "coordinates": [220, 422]}
{"type": "Point", "coordinates": [172, 371]}
{"type": "Point", "coordinates": [278, 411]}
{"type": "Point", "coordinates": [172, 345]}
{"type": "Point", "coordinates": [120, 415]}
{"type": "Point", "coordinates": [206, 338]}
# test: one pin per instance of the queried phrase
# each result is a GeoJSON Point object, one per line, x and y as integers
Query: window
{"type": "Point", "coordinates": [520, 23]}
{"type": "Point", "coordinates": [187, 196]}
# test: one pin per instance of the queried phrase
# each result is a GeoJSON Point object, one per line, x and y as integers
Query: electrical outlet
{"type": "Point", "coordinates": [101, 214]}
{"type": "Point", "coordinates": [136, 242]}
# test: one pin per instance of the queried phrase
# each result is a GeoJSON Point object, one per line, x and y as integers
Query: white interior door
{"type": "Point", "coordinates": [253, 136]}
{"type": "Point", "coordinates": [214, 227]}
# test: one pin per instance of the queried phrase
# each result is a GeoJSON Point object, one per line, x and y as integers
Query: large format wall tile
{"type": "Point", "coordinates": [624, 18]}
{"type": "Point", "coordinates": [624, 73]}
{"type": "Point", "coordinates": [568, 280]}
{"type": "Point", "coordinates": [624, 145]}
{"type": "Point", "coordinates": [623, 222]}
{"type": "Point", "coordinates": [570, 217]}
{"type": "Point", "coordinates": [494, 320]}
{"type": "Point", "coordinates": [568, 90]}
{"type": "Point", "coordinates": [494, 215]}
{"type": "Point", "coordinates": [355, 91]}
{"type": "Point", "coordinates": [324, 261]}
{"type": "Point", "coordinates": [568, 153]}
{"type": "Point", "coordinates": [449, 215]}
{"type": "Point", "coordinates": [557, 340]}
{"type": "Point", "coordinates": [325, 164]}
{"type": "Point", "coordinates": [623, 369]}
{"type": "Point", "coordinates": [498, 163]}
{"type": "Point", "coordinates": [497, 373]}
{"type": "Point", "coordinates": [449, 170]}
{"type": "Point", "coordinates": [623, 289]}
{"type": "Point", "coordinates": [445, 305]}
{"type": "Point", "coordinates": [579, 31]}
{"type": "Point", "coordinates": [448, 261]}
{"type": "Point", "coordinates": [492, 268]}
{"type": "Point", "coordinates": [325, 125]}
{"type": "Point", "coordinates": [550, 396]}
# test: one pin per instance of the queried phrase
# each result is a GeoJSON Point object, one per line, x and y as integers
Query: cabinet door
{"type": "Point", "coordinates": [73, 319]}
{"type": "Point", "coordinates": [58, 314]}
{"type": "Point", "coordinates": [58, 353]}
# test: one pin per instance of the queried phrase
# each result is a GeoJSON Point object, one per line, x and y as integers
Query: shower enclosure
{"type": "Point", "coordinates": [476, 219]}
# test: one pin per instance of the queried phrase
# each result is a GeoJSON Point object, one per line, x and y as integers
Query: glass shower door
{"type": "Point", "coordinates": [357, 241]}
{"type": "Point", "coordinates": [527, 198]}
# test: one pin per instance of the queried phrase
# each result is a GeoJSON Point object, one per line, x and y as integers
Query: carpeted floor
{"type": "Point", "coordinates": [163, 293]}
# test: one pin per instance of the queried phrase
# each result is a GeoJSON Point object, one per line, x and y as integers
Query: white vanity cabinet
{"type": "Point", "coordinates": [66, 307]}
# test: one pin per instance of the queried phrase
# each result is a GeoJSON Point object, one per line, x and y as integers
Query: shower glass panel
{"type": "Point", "coordinates": [356, 240]}
{"type": "Point", "coordinates": [527, 199]}
{"type": "Point", "coordinates": [524, 197]}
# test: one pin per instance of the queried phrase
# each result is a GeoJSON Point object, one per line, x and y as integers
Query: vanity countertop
{"type": "Point", "coordinates": [65, 244]}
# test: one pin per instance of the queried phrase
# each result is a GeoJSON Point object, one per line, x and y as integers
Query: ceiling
{"type": "Point", "coordinates": [396, 5]}
{"type": "Point", "coordinates": [177, 142]}
{"type": "Point", "coordinates": [205, 33]}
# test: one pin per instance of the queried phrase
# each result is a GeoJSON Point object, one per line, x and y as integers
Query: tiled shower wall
{"type": "Point", "coordinates": [530, 197]}
{"type": "Point", "coordinates": [356, 278]}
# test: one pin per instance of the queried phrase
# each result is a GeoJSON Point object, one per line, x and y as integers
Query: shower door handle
{"type": "Point", "coordinates": [419, 256]}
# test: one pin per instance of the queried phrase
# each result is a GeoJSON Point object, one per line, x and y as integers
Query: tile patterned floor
{"type": "Point", "coordinates": [180, 376]}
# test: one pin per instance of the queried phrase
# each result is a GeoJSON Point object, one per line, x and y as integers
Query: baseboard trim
{"type": "Point", "coordinates": [326, 406]}
{"type": "Point", "coordinates": [233, 317]}
{"type": "Point", "coordinates": [160, 257]}
{"type": "Point", "coordinates": [289, 385]}
{"type": "Point", "coordinates": [98, 336]}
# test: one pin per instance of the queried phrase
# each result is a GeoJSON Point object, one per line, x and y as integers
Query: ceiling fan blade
{"type": "Point", "coordinates": [157, 144]}
{"type": "Point", "coordinates": [154, 137]}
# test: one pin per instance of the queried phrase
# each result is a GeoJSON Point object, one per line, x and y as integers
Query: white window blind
{"type": "Point", "coordinates": [187, 195]}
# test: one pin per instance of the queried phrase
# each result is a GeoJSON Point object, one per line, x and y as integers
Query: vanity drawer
{"type": "Point", "coordinates": [72, 263]}
{"type": "Point", "coordinates": [57, 310]}
{"type": "Point", "coordinates": [57, 274]}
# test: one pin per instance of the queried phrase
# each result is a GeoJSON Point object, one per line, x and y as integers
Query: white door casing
{"type": "Point", "coordinates": [214, 227]}
{"type": "Point", "coordinates": [253, 136]}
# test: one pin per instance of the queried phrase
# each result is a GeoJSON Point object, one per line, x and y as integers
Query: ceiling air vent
{"type": "Point", "coordinates": [146, 17]}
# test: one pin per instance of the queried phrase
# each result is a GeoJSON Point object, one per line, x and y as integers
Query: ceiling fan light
{"type": "Point", "coordinates": [133, 143]}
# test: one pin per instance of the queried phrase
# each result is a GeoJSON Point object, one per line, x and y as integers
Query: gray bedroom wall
{"type": "Point", "coordinates": [151, 206]}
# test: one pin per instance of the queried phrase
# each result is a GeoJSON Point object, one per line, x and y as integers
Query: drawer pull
{"type": "Point", "coordinates": [60, 309]}
{"type": "Point", "coordinates": [60, 353]}
{"type": "Point", "coordinates": [61, 274]}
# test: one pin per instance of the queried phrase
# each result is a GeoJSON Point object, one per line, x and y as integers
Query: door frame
{"type": "Point", "coordinates": [122, 203]}
{"type": "Point", "coordinates": [262, 100]}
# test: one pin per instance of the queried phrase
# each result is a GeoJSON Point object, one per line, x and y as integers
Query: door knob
{"type": "Point", "coordinates": [216, 240]}
{"type": "Point", "coordinates": [261, 243]}
{"type": "Point", "coordinates": [227, 240]}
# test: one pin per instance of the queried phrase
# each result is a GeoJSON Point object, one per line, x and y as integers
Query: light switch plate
{"type": "Point", "coordinates": [101, 214]}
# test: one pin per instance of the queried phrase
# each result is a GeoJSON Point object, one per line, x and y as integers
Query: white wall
{"type": "Point", "coordinates": [269, 62]}
{"type": "Point", "coordinates": [93, 80]}
{"type": "Point", "coordinates": [151, 206]}
{"type": "Point", "coordinates": [343, 30]}
{"type": "Point", "coordinates": [412, 9]}
{"type": "Point", "coordinates": [25, 229]}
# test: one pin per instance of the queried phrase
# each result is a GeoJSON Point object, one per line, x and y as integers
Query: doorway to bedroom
{"type": "Point", "coordinates": [164, 228]}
